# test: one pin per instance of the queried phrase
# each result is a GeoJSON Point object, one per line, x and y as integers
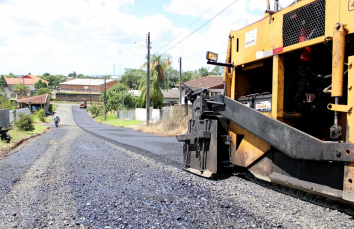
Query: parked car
{"type": "Point", "coordinates": [83, 105]}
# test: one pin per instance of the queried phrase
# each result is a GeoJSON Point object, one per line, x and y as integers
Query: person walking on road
{"type": "Point", "coordinates": [56, 120]}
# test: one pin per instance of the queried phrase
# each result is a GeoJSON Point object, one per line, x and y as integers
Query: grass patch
{"type": "Point", "coordinates": [18, 135]}
{"type": "Point", "coordinates": [112, 120]}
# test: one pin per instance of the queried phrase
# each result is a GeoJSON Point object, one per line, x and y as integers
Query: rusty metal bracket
{"type": "Point", "coordinates": [340, 108]}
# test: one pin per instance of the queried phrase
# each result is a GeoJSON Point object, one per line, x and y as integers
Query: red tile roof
{"type": "Point", "coordinates": [207, 82]}
{"type": "Point", "coordinates": [34, 99]}
{"type": "Point", "coordinates": [27, 79]}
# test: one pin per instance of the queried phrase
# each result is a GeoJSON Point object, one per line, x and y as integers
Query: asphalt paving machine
{"type": "Point", "coordinates": [286, 113]}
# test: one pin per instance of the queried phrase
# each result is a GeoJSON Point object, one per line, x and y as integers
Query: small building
{"type": "Point", "coordinates": [28, 80]}
{"type": "Point", "coordinates": [170, 96]}
{"type": "Point", "coordinates": [213, 83]}
{"type": "Point", "coordinates": [35, 103]}
{"type": "Point", "coordinates": [86, 85]}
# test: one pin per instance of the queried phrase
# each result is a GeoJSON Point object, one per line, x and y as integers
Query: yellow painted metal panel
{"type": "Point", "coordinates": [347, 14]}
{"type": "Point", "coordinates": [269, 32]}
{"type": "Point", "coordinates": [332, 15]}
{"type": "Point", "coordinates": [348, 181]}
{"type": "Point", "coordinates": [278, 86]}
{"type": "Point", "coordinates": [250, 149]}
{"type": "Point", "coordinates": [350, 103]}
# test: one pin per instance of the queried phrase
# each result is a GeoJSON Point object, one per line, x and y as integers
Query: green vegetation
{"type": "Point", "coordinates": [20, 89]}
{"type": "Point", "coordinates": [159, 65]}
{"type": "Point", "coordinates": [6, 104]}
{"type": "Point", "coordinates": [40, 84]}
{"type": "Point", "coordinates": [115, 95]}
{"type": "Point", "coordinates": [95, 110]}
{"type": "Point", "coordinates": [24, 123]}
{"type": "Point", "coordinates": [3, 82]}
{"type": "Point", "coordinates": [52, 107]}
{"type": "Point", "coordinates": [40, 115]}
{"type": "Point", "coordinates": [18, 135]}
{"type": "Point", "coordinates": [112, 120]}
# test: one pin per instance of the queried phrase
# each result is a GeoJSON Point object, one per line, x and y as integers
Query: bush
{"type": "Point", "coordinates": [52, 107]}
{"type": "Point", "coordinates": [95, 110]}
{"type": "Point", "coordinates": [24, 122]}
{"type": "Point", "coordinates": [40, 115]}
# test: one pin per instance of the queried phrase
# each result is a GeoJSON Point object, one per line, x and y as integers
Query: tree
{"type": "Point", "coordinates": [80, 76]}
{"type": "Point", "coordinates": [217, 70]}
{"type": "Point", "coordinates": [3, 82]}
{"type": "Point", "coordinates": [52, 80]}
{"type": "Point", "coordinates": [156, 97]}
{"type": "Point", "coordinates": [159, 64]}
{"type": "Point", "coordinates": [72, 74]}
{"type": "Point", "coordinates": [114, 97]}
{"type": "Point", "coordinates": [42, 91]}
{"type": "Point", "coordinates": [172, 78]}
{"type": "Point", "coordinates": [11, 75]}
{"type": "Point", "coordinates": [203, 71]}
{"type": "Point", "coordinates": [132, 77]}
{"type": "Point", "coordinates": [29, 73]}
{"type": "Point", "coordinates": [40, 84]}
{"type": "Point", "coordinates": [20, 89]}
{"type": "Point", "coordinates": [190, 75]}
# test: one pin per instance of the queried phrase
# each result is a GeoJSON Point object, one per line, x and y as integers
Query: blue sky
{"type": "Point", "coordinates": [90, 36]}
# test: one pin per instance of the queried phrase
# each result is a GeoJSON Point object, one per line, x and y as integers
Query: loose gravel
{"type": "Point", "coordinates": [68, 178]}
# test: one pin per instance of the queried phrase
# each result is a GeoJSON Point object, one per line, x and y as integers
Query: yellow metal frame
{"type": "Point", "coordinates": [269, 31]}
{"type": "Point", "coordinates": [348, 181]}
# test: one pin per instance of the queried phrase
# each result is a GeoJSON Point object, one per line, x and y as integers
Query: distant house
{"type": "Point", "coordinates": [86, 85]}
{"type": "Point", "coordinates": [213, 83]}
{"type": "Point", "coordinates": [35, 103]}
{"type": "Point", "coordinates": [28, 80]}
{"type": "Point", "coordinates": [170, 96]}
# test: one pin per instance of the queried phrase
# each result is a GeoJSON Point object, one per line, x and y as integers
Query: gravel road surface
{"type": "Point", "coordinates": [69, 178]}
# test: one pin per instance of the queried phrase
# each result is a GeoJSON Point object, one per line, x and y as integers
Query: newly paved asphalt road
{"type": "Point", "coordinates": [166, 149]}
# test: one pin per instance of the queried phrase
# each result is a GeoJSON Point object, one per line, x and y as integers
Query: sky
{"type": "Point", "coordinates": [96, 37]}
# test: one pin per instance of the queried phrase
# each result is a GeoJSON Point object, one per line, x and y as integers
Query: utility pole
{"type": "Point", "coordinates": [148, 82]}
{"type": "Point", "coordinates": [123, 100]}
{"type": "Point", "coordinates": [180, 80]}
{"type": "Point", "coordinates": [90, 94]}
{"type": "Point", "coordinates": [105, 109]}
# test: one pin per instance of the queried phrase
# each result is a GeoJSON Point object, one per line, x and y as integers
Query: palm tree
{"type": "Point", "coordinates": [159, 64]}
{"type": "Point", "coordinates": [20, 89]}
{"type": "Point", "coordinates": [156, 97]}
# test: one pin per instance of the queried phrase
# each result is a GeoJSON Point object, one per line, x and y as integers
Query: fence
{"type": "Point", "coordinates": [127, 115]}
{"type": "Point", "coordinates": [77, 97]}
{"type": "Point", "coordinates": [4, 118]}
{"type": "Point", "coordinates": [155, 114]}
{"type": "Point", "coordinates": [24, 111]}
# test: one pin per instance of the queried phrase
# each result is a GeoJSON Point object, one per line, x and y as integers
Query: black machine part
{"type": "Point", "coordinates": [283, 137]}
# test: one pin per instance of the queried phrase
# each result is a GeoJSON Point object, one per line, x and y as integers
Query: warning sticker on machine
{"type": "Point", "coordinates": [251, 38]}
{"type": "Point", "coordinates": [264, 106]}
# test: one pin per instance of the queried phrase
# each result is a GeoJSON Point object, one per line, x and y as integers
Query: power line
{"type": "Point", "coordinates": [190, 25]}
{"type": "Point", "coordinates": [201, 26]}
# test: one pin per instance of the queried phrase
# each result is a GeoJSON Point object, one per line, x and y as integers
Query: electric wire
{"type": "Point", "coordinates": [202, 26]}
{"type": "Point", "coordinates": [190, 25]}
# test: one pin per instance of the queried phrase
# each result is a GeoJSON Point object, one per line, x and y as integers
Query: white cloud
{"type": "Point", "coordinates": [90, 36]}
